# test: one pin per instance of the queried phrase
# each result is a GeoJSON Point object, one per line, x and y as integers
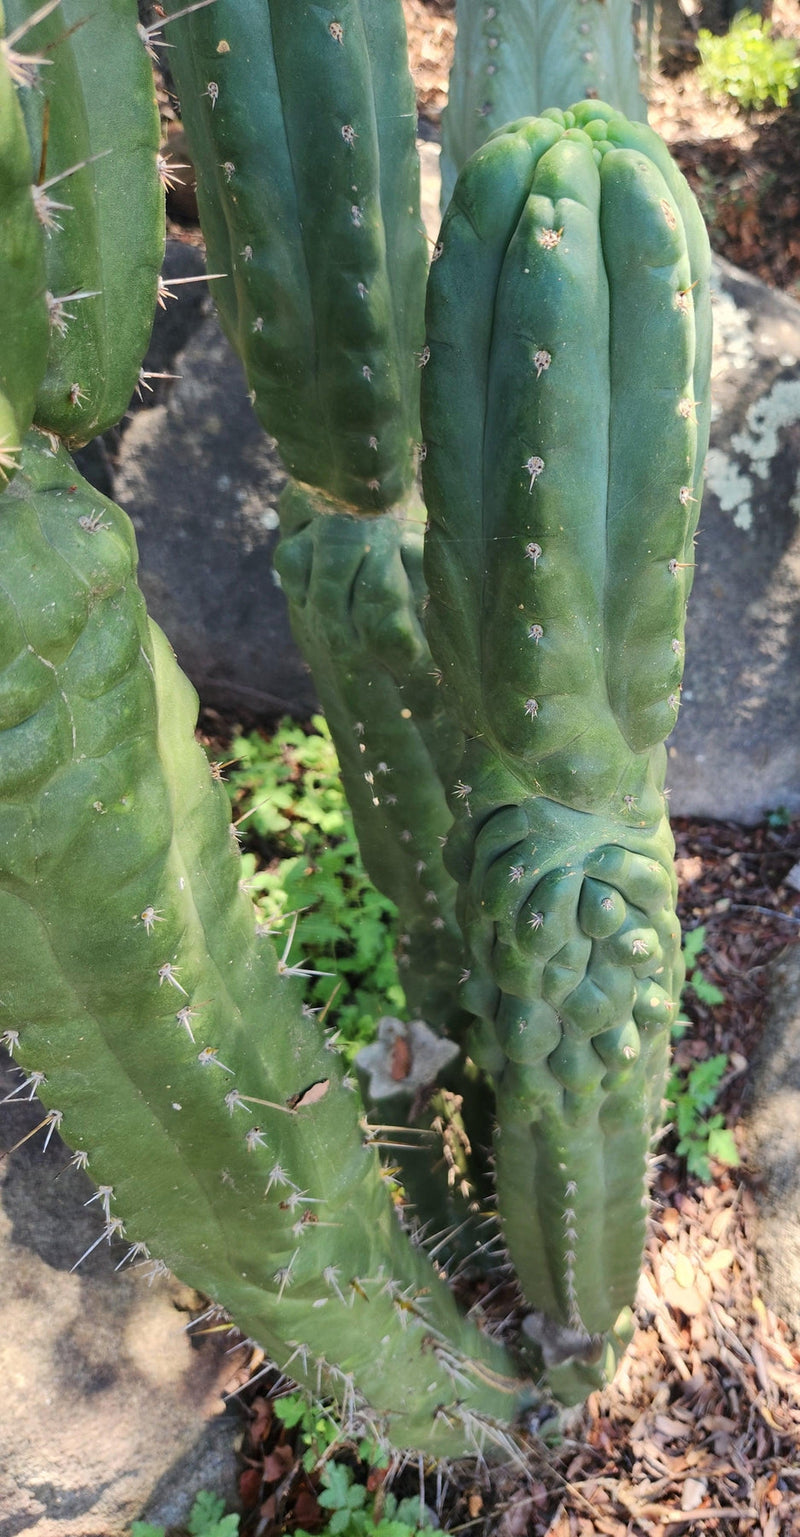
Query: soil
{"type": "Point", "coordinates": [699, 1432]}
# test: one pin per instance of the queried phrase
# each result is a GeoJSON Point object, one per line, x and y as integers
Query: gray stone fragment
{"type": "Point", "coordinates": [107, 1401]}
{"type": "Point", "coordinates": [735, 751]}
{"type": "Point", "coordinates": [200, 480]}
{"type": "Point", "coordinates": [773, 1140]}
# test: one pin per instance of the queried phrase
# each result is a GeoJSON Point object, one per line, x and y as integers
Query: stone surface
{"type": "Point", "coordinates": [108, 1405]}
{"type": "Point", "coordinates": [200, 480]}
{"type": "Point", "coordinates": [773, 1139]}
{"type": "Point", "coordinates": [736, 749]}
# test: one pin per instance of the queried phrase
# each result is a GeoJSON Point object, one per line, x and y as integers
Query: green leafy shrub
{"type": "Point", "coordinates": [303, 868]}
{"type": "Point", "coordinates": [748, 64]}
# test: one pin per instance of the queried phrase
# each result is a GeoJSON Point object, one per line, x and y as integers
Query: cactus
{"type": "Point", "coordinates": [94, 131]}
{"type": "Point", "coordinates": [565, 382]}
{"type": "Point", "coordinates": [517, 57]}
{"type": "Point", "coordinates": [23, 308]}
{"type": "Point", "coordinates": [311, 205]}
{"type": "Point", "coordinates": [565, 407]}
{"type": "Point", "coordinates": [204, 1103]}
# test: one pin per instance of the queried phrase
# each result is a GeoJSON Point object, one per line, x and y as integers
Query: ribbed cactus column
{"type": "Point", "coordinates": [155, 1022]}
{"type": "Point", "coordinates": [565, 410]}
{"type": "Point", "coordinates": [89, 103]}
{"type": "Point", "coordinates": [514, 58]}
{"type": "Point", "coordinates": [23, 308]}
{"type": "Point", "coordinates": [301, 120]}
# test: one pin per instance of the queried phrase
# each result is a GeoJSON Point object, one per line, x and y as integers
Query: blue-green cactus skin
{"type": "Point", "coordinates": [162, 1034]}
{"type": "Point", "coordinates": [301, 121]}
{"type": "Point", "coordinates": [92, 106]}
{"type": "Point", "coordinates": [23, 309]}
{"type": "Point", "coordinates": [310, 202]}
{"type": "Point", "coordinates": [565, 411]}
{"type": "Point", "coordinates": [356, 593]}
{"type": "Point", "coordinates": [516, 57]}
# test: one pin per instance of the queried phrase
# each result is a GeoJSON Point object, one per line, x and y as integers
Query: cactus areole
{"type": "Point", "coordinates": [565, 413]}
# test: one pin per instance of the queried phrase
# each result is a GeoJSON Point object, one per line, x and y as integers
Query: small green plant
{"type": "Point", "coordinates": [303, 868]}
{"type": "Point", "coordinates": [692, 1092]}
{"type": "Point", "coordinates": [317, 1430]}
{"type": "Point", "coordinates": [701, 1137]}
{"type": "Point", "coordinates": [355, 1513]}
{"type": "Point", "coordinates": [748, 64]}
{"type": "Point", "coordinates": [779, 817]}
{"type": "Point", "coordinates": [693, 946]}
{"type": "Point", "coordinates": [206, 1519]}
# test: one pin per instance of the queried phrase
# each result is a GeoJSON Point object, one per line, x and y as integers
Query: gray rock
{"type": "Point", "coordinates": [773, 1139]}
{"type": "Point", "coordinates": [108, 1404]}
{"type": "Point", "coordinates": [735, 751]}
{"type": "Point", "coordinates": [200, 480]}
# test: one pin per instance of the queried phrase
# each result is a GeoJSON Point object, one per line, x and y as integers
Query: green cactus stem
{"type": "Point", "coordinates": [356, 593]}
{"type": "Point", "coordinates": [516, 57]}
{"type": "Point", "coordinates": [565, 410]}
{"type": "Point", "coordinates": [93, 126]}
{"type": "Point", "coordinates": [155, 1021]}
{"type": "Point", "coordinates": [301, 122]}
{"type": "Point", "coordinates": [23, 310]}
{"type": "Point", "coordinates": [310, 202]}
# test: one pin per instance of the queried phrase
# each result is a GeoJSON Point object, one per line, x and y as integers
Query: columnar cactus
{"type": "Point", "coordinates": [23, 308]}
{"type": "Point", "coordinates": [516, 57]}
{"type": "Point", "coordinates": [310, 204]}
{"type": "Point", "coordinates": [565, 409]}
{"type": "Point", "coordinates": [208, 1108]}
{"type": "Point", "coordinates": [566, 415]}
{"type": "Point", "coordinates": [93, 127]}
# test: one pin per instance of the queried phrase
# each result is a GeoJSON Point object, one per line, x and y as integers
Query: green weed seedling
{"type": "Point", "coordinates": [354, 1514]}
{"type": "Point", "coordinates": [206, 1519]}
{"type": "Point", "coordinates": [317, 1430]}
{"type": "Point", "coordinates": [691, 1094]}
{"type": "Point", "coordinates": [693, 946]}
{"type": "Point", "coordinates": [701, 1137]}
{"type": "Point", "coordinates": [748, 64]}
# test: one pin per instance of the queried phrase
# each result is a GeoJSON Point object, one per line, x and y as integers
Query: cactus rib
{"type": "Point", "coordinates": [93, 126]}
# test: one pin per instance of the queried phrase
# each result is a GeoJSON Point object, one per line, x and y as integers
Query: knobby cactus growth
{"type": "Point", "coordinates": [518, 57]}
{"type": "Point", "coordinates": [565, 375]}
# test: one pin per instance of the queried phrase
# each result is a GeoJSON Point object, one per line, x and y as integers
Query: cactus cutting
{"type": "Point", "coordinates": [499, 703]}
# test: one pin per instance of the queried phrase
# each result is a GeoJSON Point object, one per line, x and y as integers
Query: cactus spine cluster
{"type": "Point", "coordinates": [565, 406]}
{"type": "Point", "coordinates": [565, 419]}
{"type": "Point", "coordinates": [517, 57]}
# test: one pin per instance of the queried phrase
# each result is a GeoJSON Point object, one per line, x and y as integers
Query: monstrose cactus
{"type": "Point", "coordinates": [501, 733]}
